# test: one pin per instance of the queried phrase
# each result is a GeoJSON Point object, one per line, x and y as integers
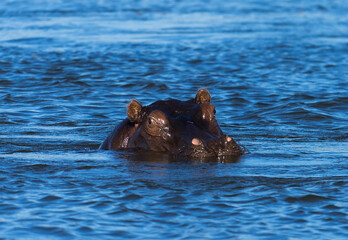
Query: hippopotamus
{"type": "Point", "coordinates": [183, 128]}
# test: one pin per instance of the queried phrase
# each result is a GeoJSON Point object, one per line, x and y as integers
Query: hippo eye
{"type": "Point", "coordinates": [157, 123]}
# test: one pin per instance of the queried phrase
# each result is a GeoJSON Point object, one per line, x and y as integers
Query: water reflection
{"type": "Point", "coordinates": [149, 156]}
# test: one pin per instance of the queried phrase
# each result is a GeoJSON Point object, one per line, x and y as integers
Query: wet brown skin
{"type": "Point", "coordinates": [187, 128]}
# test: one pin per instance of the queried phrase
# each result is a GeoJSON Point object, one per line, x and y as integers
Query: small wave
{"type": "Point", "coordinates": [5, 207]}
{"type": "Point", "coordinates": [50, 198]}
{"type": "Point", "coordinates": [37, 167]}
{"type": "Point", "coordinates": [309, 198]}
{"type": "Point", "coordinates": [49, 230]}
{"type": "Point", "coordinates": [88, 167]}
{"type": "Point", "coordinates": [7, 98]}
{"type": "Point", "coordinates": [331, 207]}
{"type": "Point", "coordinates": [131, 197]}
{"type": "Point", "coordinates": [33, 40]}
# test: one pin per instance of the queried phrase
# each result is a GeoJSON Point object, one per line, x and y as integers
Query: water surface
{"type": "Point", "coordinates": [277, 73]}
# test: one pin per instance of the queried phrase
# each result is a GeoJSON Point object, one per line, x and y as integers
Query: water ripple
{"type": "Point", "coordinates": [277, 75]}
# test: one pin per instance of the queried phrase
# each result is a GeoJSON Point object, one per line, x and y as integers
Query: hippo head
{"type": "Point", "coordinates": [186, 128]}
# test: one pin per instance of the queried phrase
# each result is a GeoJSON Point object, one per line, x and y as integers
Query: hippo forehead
{"type": "Point", "coordinates": [173, 108]}
{"type": "Point", "coordinates": [184, 111]}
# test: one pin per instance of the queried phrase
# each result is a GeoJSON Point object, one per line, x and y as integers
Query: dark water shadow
{"type": "Point", "coordinates": [150, 156]}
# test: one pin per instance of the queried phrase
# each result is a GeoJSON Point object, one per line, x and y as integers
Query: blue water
{"type": "Point", "coordinates": [278, 75]}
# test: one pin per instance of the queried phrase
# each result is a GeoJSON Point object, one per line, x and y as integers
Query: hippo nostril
{"type": "Point", "coordinates": [196, 141]}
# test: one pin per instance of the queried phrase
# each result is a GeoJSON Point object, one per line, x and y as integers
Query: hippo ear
{"type": "Point", "coordinates": [133, 111]}
{"type": "Point", "coordinates": [202, 96]}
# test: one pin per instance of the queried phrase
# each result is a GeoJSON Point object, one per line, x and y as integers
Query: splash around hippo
{"type": "Point", "coordinates": [183, 128]}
